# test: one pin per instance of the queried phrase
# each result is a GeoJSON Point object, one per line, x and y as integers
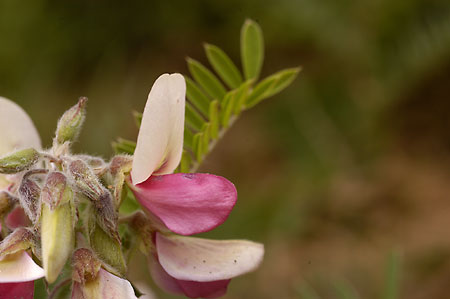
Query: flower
{"type": "Point", "coordinates": [92, 281]}
{"type": "Point", "coordinates": [199, 267]}
{"type": "Point", "coordinates": [17, 274]}
{"type": "Point", "coordinates": [106, 285]}
{"type": "Point", "coordinates": [184, 204]}
{"type": "Point", "coordinates": [18, 270]}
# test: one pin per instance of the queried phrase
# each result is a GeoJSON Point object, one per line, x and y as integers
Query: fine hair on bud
{"type": "Point", "coordinates": [19, 161]}
{"type": "Point", "coordinates": [70, 123]}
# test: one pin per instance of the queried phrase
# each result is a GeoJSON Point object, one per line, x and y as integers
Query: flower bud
{"type": "Point", "coordinates": [108, 250]}
{"type": "Point", "coordinates": [29, 197]}
{"type": "Point", "coordinates": [119, 166]}
{"type": "Point", "coordinates": [57, 232]}
{"type": "Point", "coordinates": [85, 266]}
{"type": "Point", "coordinates": [19, 161]}
{"type": "Point", "coordinates": [143, 226]}
{"type": "Point", "coordinates": [54, 190]}
{"type": "Point", "coordinates": [20, 239]}
{"type": "Point", "coordinates": [107, 217]}
{"type": "Point", "coordinates": [70, 123]}
{"type": "Point", "coordinates": [85, 179]}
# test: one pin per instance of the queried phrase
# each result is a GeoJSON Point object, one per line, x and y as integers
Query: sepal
{"type": "Point", "coordinates": [70, 123]}
{"type": "Point", "coordinates": [57, 226]}
{"type": "Point", "coordinates": [20, 239]}
{"type": "Point", "coordinates": [19, 161]}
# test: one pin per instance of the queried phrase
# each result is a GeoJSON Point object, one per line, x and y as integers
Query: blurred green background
{"type": "Point", "coordinates": [345, 171]}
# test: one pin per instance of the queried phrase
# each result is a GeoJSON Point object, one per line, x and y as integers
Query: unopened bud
{"type": "Point", "coordinates": [29, 197]}
{"type": "Point", "coordinates": [70, 122]}
{"type": "Point", "coordinates": [85, 266]}
{"type": "Point", "coordinates": [57, 232]}
{"type": "Point", "coordinates": [144, 228]}
{"type": "Point", "coordinates": [19, 161]}
{"type": "Point", "coordinates": [20, 239]}
{"type": "Point", "coordinates": [85, 179]}
{"type": "Point", "coordinates": [54, 190]}
{"type": "Point", "coordinates": [119, 166]}
{"type": "Point", "coordinates": [94, 162]}
{"type": "Point", "coordinates": [107, 216]}
{"type": "Point", "coordinates": [108, 250]}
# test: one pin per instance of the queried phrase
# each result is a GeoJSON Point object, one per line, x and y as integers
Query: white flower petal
{"type": "Point", "coordinates": [195, 259]}
{"type": "Point", "coordinates": [160, 140]}
{"type": "Point", "coordinates": [19, 267]}
{"type": "Point", "coordinates": [106, 285]}
{"type": "Point", "coordinates": [17, 131]}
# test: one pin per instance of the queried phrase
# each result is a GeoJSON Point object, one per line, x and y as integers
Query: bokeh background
{"type": "Point", "coordinates": [345, 176]}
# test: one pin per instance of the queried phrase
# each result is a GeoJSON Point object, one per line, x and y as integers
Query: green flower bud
{"type": "Point", "coordinates": [69, 125]}
{"type": "Point", "coordinates": [85, 179]}
{"type": "Point", "coordinates": [107, 216]}
{"type": "Point", "coordinates": [57, 231]}
{"type": "Point", "coordinates": [85, 266]}
{"type": "Point", "coordinates": [54, 190]}
{"type": "Point", "coordinates": [20, 239]}
{"type": "Point", "coordinates": [108, 250]}
{"type": "Point", "coordinates": [142, 225]}
{"type": "Point", "coordinates": [19, 161]}
{"type": "Point", "coordinates": [29, 197]}
{"type": "Point", "coordinates": [118, 167]}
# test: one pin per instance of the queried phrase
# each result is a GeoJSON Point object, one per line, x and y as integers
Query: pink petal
{"type": "Point", "coordinates": [195, 259]}
{"type": "Point", "coordinates": [19, 267]}
{"type": "Point", "coordinates": [106, 285]}
{"type": "Point", "coordinates": [192, 289]}
{"type": "Point", "coordinates": [160, 139]}
{"type": "Point", "coordinates": [18, 290]}
{"type": "Point", "coordinates": [162, 279]}
{"type": "Point", "coordinates": [18, 131]}
{"type": "Point", "coordinates": [17, 218]}
{"type": "Point", "coordinates": [188, 203]}
{"type": "Point", "coordinates": [211, 289]}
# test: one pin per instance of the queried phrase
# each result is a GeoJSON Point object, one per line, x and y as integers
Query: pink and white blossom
{"type": "Point", "coordinates": [186, 204]}
{"type": "Point", "coordinates": [17, 271]}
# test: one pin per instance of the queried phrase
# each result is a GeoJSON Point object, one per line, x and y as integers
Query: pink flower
{"type": "Point", "coordinates": [186, 204]}
{"type": "Point", "coordinates": [17, 274]}
{"type": "Point", "coordinates": [106, 285]}
{"type": "Point", "coordinates": [199, 267]}
{"type": "Point", "coordinates": [18, 131]}
{"type": "Point", "coordinates": [17, 271]}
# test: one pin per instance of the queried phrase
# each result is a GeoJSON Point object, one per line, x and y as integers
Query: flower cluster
{"type": "Point", "coordinates": [60, 212]}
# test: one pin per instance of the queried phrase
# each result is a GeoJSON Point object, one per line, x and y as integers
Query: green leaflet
{"type": "Point", "coordinates": [214, 118]}
{"type": "Point", "coordinates": [198, 146]}
{"type": "Point", "coordinates": [227, 108]}
{"type": "Point", "coordinates": [188, 138]}
{"type": "Point", "coordinates": [271, 86]}
{"type": "Point", "coordinates": [206, 79]}
{"type": "Point", "coordinates": [185, 163]}
{"type": "Point", "coordinates": [123, 146]}
{"type": "Point", "coordinates": [192, 118]}
{"type": "Point", "coordinates": [211, 107]}
{"type": "Point", "coordinates": [241, 96]}
{"type": "Point", "coordinates": [194, 94]}
{"type": "Point", "coordinates": [252, 49]}
{"type": "Point", "coordinates": [223, 66]}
